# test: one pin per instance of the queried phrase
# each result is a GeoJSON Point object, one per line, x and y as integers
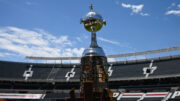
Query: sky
{"type": "Point", "coordinates": [51, 28]}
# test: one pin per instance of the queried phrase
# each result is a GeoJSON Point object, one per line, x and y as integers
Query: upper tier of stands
{"type": "Point", "coordinates": [130, 70]}
{"type": "Point", "coordinates": [144, 68]}
{"type": "Point", "coordinates": [49, 77]}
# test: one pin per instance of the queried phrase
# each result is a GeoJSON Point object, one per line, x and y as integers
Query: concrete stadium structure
{"type": "Point", "coordinates": [147, 79]}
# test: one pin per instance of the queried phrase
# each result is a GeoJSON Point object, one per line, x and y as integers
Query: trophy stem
{"type": "Point", "coordinates": [93, 40]}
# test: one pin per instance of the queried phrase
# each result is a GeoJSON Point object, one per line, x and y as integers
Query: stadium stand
{"type": "Point", "coordinates": [166, 67]}
{"type": "Point", "coordinates": [159, 74]}
{"type": "Point", "coordinates": [12, 70]}
{"type": "Point", "coordinates": [41, 71]}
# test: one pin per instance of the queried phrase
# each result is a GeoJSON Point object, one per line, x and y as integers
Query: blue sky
{"type": "Point", "coordinates": [52, 27]}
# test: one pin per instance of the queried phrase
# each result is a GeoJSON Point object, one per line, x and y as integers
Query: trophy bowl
{"type": "Point", "coordinates": [93, 22]}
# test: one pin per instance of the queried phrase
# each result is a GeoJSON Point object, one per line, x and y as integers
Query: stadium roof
{"type": "Point", "coordinates": [108, 56]}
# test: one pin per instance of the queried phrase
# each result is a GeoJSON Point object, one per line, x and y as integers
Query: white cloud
{"type": "Point", "coordinates": [174, 12]}
{"type": "Point", "coordinates": [144, 14]}
{"type": "Point", "coordinates": [178, 5]}
{"type": "Point", "coordinates": [62, 39]}
{"type": "Point", "coordinates": [136, 9]}
{"type": "Point", "coordinates": [36, 42]}
{"type": "Point", "coordinates": [126, 5]}
{"type": "Point", "coordinates": [122, 44]}
{"type": "Point", "coordinates": [108, 41]}
{"type": "Point", "coordinates": [22, 36]}
{"type": "Point", "coordinates": [79, 39]}
{"type": "Point", "coordinates": [77, 51]}
{"type": "Point", "coordinates": [5, 54]}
